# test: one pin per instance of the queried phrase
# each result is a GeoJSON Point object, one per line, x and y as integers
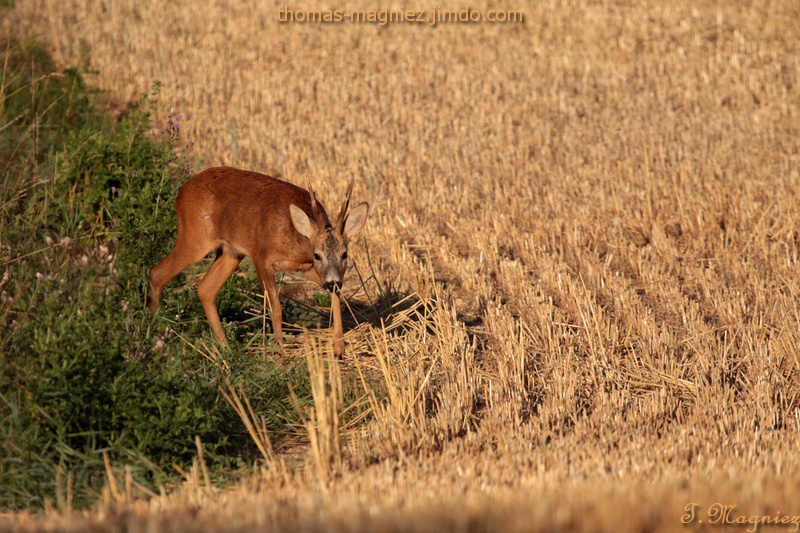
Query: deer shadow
{"type": "Point", "coordinates": [312, 311]}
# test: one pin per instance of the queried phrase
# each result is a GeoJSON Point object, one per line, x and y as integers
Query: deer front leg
{"type": "Point", "coordinates": [336, 311]}
{"type": "Point", "coordinates": [338, 331]}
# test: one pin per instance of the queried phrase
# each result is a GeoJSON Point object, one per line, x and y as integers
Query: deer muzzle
{"type": "Point", "coordinates": [333, 286]}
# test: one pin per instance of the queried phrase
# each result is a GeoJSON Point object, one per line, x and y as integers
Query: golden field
{"type": "Point", "coordinates": [593, 216]}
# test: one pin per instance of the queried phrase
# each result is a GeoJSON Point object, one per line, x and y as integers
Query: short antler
{"type": "Point", "coordinates": [345, 206]}
{"type": "Point", "coordinates": [313, 197]}
{"type": "Point", "coordinates": [315, 212]}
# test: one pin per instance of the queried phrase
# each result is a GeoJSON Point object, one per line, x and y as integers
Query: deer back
{"type": "Point", "coordinates": [250, 214]}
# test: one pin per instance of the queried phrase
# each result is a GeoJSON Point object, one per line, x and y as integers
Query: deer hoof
{"type": "Point", "coordinates": [338, 349]}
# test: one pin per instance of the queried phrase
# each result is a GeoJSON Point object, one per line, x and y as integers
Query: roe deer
{"type": "Point", "coordinates": [280, 226]}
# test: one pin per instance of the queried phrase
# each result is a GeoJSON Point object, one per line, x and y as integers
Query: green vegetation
{"type": "Point", "coordinates": [86, 211]}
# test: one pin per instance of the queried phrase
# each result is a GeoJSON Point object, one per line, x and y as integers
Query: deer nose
{"type": "Point", "coordinates": [332, 286]}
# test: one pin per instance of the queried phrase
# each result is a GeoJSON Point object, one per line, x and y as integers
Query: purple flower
{"type": "Point", "coordinates": [179, 116]}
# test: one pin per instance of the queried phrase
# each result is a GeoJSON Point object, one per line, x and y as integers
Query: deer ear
{"type": "Point", "coordinates": [355, 221]}
{"type": "Point", "coordinates": [302, 223]}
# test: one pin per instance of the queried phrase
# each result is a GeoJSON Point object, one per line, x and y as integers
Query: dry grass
{"type": "Point", "coordinates": [595, 218]}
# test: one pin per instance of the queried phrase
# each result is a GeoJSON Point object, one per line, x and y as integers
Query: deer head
{"type": "Point", "coordinates": [329, 242]}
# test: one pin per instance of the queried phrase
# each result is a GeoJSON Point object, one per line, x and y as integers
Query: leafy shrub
{"type": "Point", "coordinates": [88, 210]}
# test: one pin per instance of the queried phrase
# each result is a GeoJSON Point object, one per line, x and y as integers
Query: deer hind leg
{"type": "Point", "coordinates": [209, 287]}
{"type": "Point", "coordinates": [267, 278]}
{"type": "Point", "coordinates": [183, 255]}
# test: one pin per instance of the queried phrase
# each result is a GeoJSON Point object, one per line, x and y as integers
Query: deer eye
{"type": "Point", "coordinates": [344, 256]}
{"type": "Point", "coordinates": [317, 257]}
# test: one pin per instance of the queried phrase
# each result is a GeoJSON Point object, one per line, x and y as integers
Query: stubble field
{"type": "Point", "coordinates": [592, 218]}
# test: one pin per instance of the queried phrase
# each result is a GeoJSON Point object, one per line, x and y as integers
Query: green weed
{"type": "Point", "coordinates": [86, 212]}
